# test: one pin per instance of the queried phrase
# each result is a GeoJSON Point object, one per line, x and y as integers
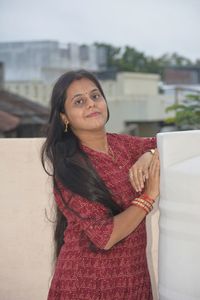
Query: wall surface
{"type": "Point", "coordinates": [179, 240]}
{"type": "Point", "coordinates": [26, 234]}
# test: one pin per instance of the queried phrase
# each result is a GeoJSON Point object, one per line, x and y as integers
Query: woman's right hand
{"type": "Point", "coordinates": [152, 184]}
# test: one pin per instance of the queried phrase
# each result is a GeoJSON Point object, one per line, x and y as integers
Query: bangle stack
{"type": "Point", "coordinates": [145, 202]}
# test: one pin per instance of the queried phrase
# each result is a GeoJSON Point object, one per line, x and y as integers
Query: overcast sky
{"type": "Point", "coordinates": [152, 26]}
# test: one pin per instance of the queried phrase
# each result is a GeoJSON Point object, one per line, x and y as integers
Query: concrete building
{"type": "Point", "coordinates": [179, 82]}
{"type": "Point", "coordinates": [133, 98]}
{"type": "Point", "coordinates": [1, 75]}
{"type": "Point", "coordinates": [46, 60]}
{"type": "Point", "coordinates": [20, 117]}
{"type": "Point", "coordinates": [182, 75]}
{"type": "Point", "coordinates": [37, 91]}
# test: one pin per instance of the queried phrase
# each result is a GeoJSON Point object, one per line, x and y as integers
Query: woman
{"type": "Point", "coordinates": [104, 186]}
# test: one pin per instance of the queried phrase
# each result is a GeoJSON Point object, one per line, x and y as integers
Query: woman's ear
{"type": "Point", "coordinates": [64, 118]}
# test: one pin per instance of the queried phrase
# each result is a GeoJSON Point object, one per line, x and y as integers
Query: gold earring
{"type": "Point", "coordinates": [66, 127]}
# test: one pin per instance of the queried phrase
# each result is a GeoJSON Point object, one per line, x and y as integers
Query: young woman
{"type": "Point", "coordinates": [104, 185]}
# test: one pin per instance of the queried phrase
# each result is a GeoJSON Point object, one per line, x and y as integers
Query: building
{"type": "Point", "coordinates": [31, 68]}
{"type": "Point", "coordinates": [135, 104]}
{"type": "Point", "coordinates": [46, 60]}
{"type": "Point", "coordinates": [37, 91]}
{"type": "Point", "coordinates": [179, 82]}
{"type": "Point", "coordinates": [20, 117]}
{"type": "Point", "coordinates": [133, 99]}
{"type": "Point", "coordinates": [182, 76]}
{"type": "Point", "coordinates": [1, 75]}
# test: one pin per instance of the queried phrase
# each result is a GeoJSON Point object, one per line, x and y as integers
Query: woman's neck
{"type": "Point", "coordinates": [95, 140]}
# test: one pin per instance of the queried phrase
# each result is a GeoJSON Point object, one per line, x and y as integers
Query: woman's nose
{"type": "Point", "coordinates": [90, 102]}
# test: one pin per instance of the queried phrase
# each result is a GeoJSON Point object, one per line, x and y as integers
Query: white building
{"type": "Point", "coordinates": [46, 60]}
{"type": "Point", "coordinates": [132, 98]}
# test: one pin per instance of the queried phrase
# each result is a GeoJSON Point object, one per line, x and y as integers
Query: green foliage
{"type": "Point", "coordinates": [128, 59]}
{"type": "Point", "coordinates": [187, 115]}
{"type": "Point", "coordinates": [112, 54]}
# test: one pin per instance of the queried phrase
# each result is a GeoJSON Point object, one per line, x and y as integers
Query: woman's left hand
{"type": "Point", "coordinates": [138, 173]}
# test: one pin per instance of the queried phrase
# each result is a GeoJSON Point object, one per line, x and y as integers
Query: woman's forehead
{"type": "Point", "coordinates": [81, 86]}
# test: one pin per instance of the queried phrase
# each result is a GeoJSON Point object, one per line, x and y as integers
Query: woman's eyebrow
{"type": "Point", "coordinates": [77, 95]}
{"type": "Point", "coordinates": [94, 90]}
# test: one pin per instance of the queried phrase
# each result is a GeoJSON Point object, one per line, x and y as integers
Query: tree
{"type": "Point", "coordinates": [113, 54]}
{"type": "Point", "coordinates": [132, 60]}
{"type": "Point", "coordinates": [128, 59]}
{"type": "Point", "coordinates": [187, 115]}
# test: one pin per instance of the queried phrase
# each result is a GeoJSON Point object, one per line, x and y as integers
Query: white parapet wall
{"type": "Point", "coordinates": [179, 225]}
{"type": "Point", "coordinates": [26, 235]}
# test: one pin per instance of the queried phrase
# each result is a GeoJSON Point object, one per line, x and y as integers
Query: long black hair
{"type": "Point", "coordinates": [69, 164]}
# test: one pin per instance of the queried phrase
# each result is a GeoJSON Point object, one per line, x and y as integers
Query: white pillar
{"type": "Point", "coordinates": [179, 225]}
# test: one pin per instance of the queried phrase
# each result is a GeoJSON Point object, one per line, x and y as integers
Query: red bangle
{"type": "Point", "coordinates": [146, 205]}
{"type": "Point", "coordinates": [147, 198]}
{"type": "Point", "coordinates": [144, 202]}
{"type": "Point", "coordinates": [141, 206]}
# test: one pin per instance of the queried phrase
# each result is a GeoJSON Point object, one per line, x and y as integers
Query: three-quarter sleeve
{"type": "Point", "coordinates": [93, 218]}
{"type": "Point", "coordinates": [139, 145]}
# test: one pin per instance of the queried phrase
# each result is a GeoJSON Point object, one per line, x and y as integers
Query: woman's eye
{"type": "Point", "coordinates": [96, 96]}
{"type": "Point", "coordinates": [79, 102]}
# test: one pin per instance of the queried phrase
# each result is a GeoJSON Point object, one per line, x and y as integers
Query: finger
{"type": "Point", "coordinates": [155, 167]}
{"type": "Point", "coordinates": [140, 179]}
{"type": "Point", "coordinates": [156, 154]}
{"type": "Point", "coordinates": [145, 174]}
{"type": "Point", "coordinates": [134, 180]}
{"type": "Point", "coordinates": [154, 158]}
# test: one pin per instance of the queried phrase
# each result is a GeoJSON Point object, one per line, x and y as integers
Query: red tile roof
{"type": "Point", "coordinates": [8, 122]}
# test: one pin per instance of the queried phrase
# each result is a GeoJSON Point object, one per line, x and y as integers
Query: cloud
{"type": "Point", "coordinates": [152, 26]}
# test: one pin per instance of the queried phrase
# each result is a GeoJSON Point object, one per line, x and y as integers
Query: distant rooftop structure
{"type": "Point", "coordinates": [1, 75]}
{"type": "Point", "coordinates": [8, 122]}
{"type": "Point", "coordinates": [20, 117]}
{"type": "Point", "coordinates": [182, 75]}
{"type": "Point", "coordinates": [47, 60]}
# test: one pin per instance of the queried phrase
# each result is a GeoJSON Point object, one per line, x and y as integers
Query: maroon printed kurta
{"type": "Point", "coordinates": [83, 272]}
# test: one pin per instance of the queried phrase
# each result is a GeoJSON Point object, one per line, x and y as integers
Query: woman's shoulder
{"type": "Point", "coordinates": [121, 137]}
{"type": "Point", "coordinates": [131, 141]}
{"type": "Point", "coordinates": [127, 137]}
{"type": "Point", "coordinates": [117, 135]}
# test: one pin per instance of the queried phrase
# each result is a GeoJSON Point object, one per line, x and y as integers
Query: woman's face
{"type": "Point", "coordinates": [85, 107]}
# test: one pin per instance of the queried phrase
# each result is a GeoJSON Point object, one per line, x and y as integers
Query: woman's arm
{"type": "Point", "coordinates": [128, 220]}
{"type": "Point", "coordinates": [104, 230]}
{"type": "Point", "coordinates": [124, 224]}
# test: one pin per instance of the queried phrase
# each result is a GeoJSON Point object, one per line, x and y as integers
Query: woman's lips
{"type": "Point", "coordinates": [94, 114]}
